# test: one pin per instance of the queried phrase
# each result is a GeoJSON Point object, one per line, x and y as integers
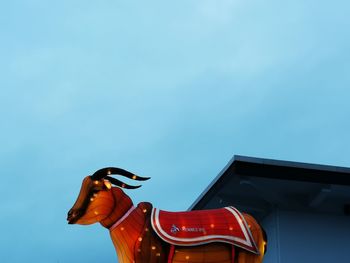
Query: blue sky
{"type": "Point", "coordinates": [170, 90]}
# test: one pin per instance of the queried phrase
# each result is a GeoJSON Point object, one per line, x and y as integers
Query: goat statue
{"type": "Point", "coordinates": [143, 234]}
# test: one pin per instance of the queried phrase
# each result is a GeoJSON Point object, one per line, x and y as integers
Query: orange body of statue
{"type": "Point", "coordinates": [132, 234]}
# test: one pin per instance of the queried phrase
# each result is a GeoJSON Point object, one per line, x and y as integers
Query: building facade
{"type": "Point", "coordinates": [304, 208]}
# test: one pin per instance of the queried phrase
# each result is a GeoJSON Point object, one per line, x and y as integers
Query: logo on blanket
{"type": "Point", "coordinates": [174, 229]}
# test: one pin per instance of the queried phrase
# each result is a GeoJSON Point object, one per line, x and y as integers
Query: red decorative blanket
{"type": "Point", "coordinates": [203, 226]}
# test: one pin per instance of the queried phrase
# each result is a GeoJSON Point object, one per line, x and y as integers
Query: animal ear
{"type": "Point", "coordinates": [107, 184]}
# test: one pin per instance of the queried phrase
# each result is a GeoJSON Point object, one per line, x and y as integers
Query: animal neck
{"type": "Point", "coordinates": [133, 238]}
{"type": "Point", "coordinates": [122, 204]}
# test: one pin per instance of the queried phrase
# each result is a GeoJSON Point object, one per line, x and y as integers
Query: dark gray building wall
{"type": "Point", "coordinates": [271, 226]}
{"type": "Point", "coordinates": [308, 237]}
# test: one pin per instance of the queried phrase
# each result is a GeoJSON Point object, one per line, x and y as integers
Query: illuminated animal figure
{"type": "Point", "coordinates": [143, 234]}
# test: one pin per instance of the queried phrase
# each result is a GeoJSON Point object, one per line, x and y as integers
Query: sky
{"type": "Point", "coordinates": [166, 89]}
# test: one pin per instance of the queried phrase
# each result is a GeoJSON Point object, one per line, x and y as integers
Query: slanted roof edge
{"type": "Point", "coordinates": [206, 190]}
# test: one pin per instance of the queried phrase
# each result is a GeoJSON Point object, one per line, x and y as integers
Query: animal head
{"type": "Point", "coordinates": [96, 199]}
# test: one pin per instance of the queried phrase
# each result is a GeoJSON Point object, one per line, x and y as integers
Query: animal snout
{"type": "Point", "coordinates": [72, 216]}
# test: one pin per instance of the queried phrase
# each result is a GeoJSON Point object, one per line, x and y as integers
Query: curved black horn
{"type": "Point", "coordinates": [121, 184]}
{"type": "Point", "coordinates": [102, 173]}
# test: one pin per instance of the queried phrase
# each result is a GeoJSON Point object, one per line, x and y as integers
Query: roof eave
{"type": "Point", "coordinates": [249, 165]}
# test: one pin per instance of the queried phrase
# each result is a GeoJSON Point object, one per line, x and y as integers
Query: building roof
{"type": "Point", "coordinates": [257, 184]}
